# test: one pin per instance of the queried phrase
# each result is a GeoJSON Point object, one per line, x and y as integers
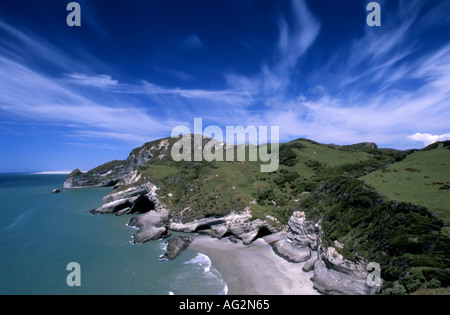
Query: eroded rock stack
{"type": "Point", "coordinates": [332, 273]}
{"type": "Point", "coordinates": [176, 245]}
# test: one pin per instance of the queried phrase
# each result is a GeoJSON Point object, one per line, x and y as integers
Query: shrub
{"type": "Point", "coordinates": [393, 289]}
{"type": "Point", "coordinates": [287, 156]}
{"type": "Point", "coordinates": [285, 175]}
{"type": "Point", "coordinates": [413, 170]}
{"type": "Point", "coordinates": [413, 281]}
{"type": "Point", "coordinates": [433, 284]}
{"type": "Point", "coordinates": [442, 275]}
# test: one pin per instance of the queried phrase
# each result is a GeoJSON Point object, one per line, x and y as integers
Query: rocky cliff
{"type": "Point", "coordinates": [154, 223]}
{"type": "Point", "coordinates": [313, 200]}
{"type": "Point", "coordinates": [299, 242]}
{"type": "Point", "coordinates": [332, 273]}
{"type": "Point", "coordinates": [118, 173]}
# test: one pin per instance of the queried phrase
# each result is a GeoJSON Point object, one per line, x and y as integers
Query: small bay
{"type": "Point", "coordinates": [41, 232]}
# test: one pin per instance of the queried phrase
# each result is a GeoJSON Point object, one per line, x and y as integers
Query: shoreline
{"type": "Point", "coordinates": [254, 269]}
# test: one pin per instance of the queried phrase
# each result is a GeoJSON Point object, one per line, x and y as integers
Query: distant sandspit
{"type": "Point", "coordinates": [52, 173]}
{"type": "Point", "coordinates": [254, 269]}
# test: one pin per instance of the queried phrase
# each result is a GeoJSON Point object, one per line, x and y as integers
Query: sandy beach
{"type": "Point", "coordinates": [254, 269]}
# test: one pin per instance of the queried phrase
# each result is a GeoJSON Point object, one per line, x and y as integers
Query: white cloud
{"type": "Point", "coordinates": [385, 114]}
{"type": "Point", "coordinates": [27, 95]}
{"type": "Point", "coordinates": [294, 39]}
{"type": "Point", "coordinates": [318, 89]}
{"type": "Point", "coordinates": [99, 81]}
{"type": "Point", "coordinates": [427, 138]}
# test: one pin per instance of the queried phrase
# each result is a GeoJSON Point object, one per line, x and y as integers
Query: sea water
{"type": "Point", "coordinates": [41, 233]}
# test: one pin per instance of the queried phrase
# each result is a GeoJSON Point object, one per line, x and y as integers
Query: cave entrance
{"type": "Point", "coordinates": [263, 231]}
{"type": "Point", "coordinates": [142, 205]}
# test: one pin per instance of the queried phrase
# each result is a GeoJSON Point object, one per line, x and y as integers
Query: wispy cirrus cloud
{"type": "Point", "coordinates": [386, 117]}
{"type": "Point", "coordinates": [275, 75]}
{"type": "Point", "coordinates": [98, 81]}
{"type": "Point", "coordinates": [28, 95]}
{"type": "Point", "coordinates": [383, 85]}
{"type": "Point", "coordinates": [104, 109]}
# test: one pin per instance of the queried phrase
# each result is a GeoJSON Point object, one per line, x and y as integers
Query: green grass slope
{"type": "Point", "coordinates": [195, 189]}
{"type": "Point", "coordinates": [380, 203]}
{"type": "Point", "coordinates": [422, 178]}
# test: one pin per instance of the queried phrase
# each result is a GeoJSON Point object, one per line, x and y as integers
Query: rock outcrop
{"type": "Point", "coordinates": [300, 240]}
{"type": "Point", "coordinates": [175, 246]}
{"type": "Point", "coordinates": [98, 177]}
{"type": "Point", "coordinates": [332, 273]}
{"type": "Point", "coordinates": [336, 276]}
{"type": "Point", "coordinates": [239, 225]}
{"type": "Point", "coordinates": [153, 223]}
{"type": "Point", "coordinates": [118, 173]}
{"type": "Point", "coordinates": [137, 199]}
{"type": "Point", "coordinates": [152, 226]}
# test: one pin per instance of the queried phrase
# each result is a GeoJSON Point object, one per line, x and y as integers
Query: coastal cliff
{"type": "Point", "coordinates": [299, 242]}
{"type": "Point", "coordinates": [313, 210]}
{"type": "Point", "coordinates": [118, 173]}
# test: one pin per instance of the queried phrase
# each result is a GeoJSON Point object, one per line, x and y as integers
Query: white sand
{"type": "Point", "coordinates": [254, 269]}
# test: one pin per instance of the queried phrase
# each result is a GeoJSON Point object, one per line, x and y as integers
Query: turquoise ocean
{"type": "Point", "coordinates": [41, 233]}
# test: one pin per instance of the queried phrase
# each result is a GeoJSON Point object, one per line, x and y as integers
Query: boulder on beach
{"type": "Point", "coordinates": [176, 245]}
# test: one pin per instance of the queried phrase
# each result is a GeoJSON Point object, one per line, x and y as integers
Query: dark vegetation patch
{"type": "Point", "coordinates": [398, 235]}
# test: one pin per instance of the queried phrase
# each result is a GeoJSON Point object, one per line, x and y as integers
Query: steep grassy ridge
{"type": "Point", "coordinates": [422, 178]}
{"type": "Point", "coordinates": [380, 203]}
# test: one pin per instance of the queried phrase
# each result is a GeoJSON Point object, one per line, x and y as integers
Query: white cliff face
{"type": "Point", "coordinates": [302, 233]}
{"type": "Point", "coordinates": [121, 172]}
{"type": "Point", "coordinates": [240, 225]}
{"type": "Point", "coordinates": [332, 273]}
{"type": "Point", "coordinates": [154, 222]}
{"type": "Point", "coordinates": [335, 275]}
{"type": "Point", "coordinates": [139, 199]}
{"type": "Point", "coordinates": [299, 242]}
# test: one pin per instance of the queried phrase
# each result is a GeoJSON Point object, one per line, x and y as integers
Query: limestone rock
{"type": "Point", "coordinates": [309, 265]}
{"type": "Point", "coordinates": [302, 233]}
{"type": "Point", "coordinates": [296, 244]}
{"type": "Point", "coordinates": [176, 245]}
{"type": "Point", "coordinates": [334, 275]}
{"type": "Point", "coordinates": [152, 226]}
{"type": "Point", "coordinates": [290, 252]}
{"type": "Point", "coordinates": [118, 172]}
{"type": "Point", "coordinates": [273, 238]}
{"type": "Point", "coordinates": [139, 199]}
{"type": "Point", "coordinates": [240, 225]}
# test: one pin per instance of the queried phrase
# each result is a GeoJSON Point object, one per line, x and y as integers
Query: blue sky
{"type": "Point", "coordinates": [76, 97]}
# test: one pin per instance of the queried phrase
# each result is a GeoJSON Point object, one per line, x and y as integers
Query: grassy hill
{"type": "Point", "coordinates": [384, 205]}
{"type": "Point", "coordinates": [422, 178]}
{"type": "Point", "coordinates": [216, 188]}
